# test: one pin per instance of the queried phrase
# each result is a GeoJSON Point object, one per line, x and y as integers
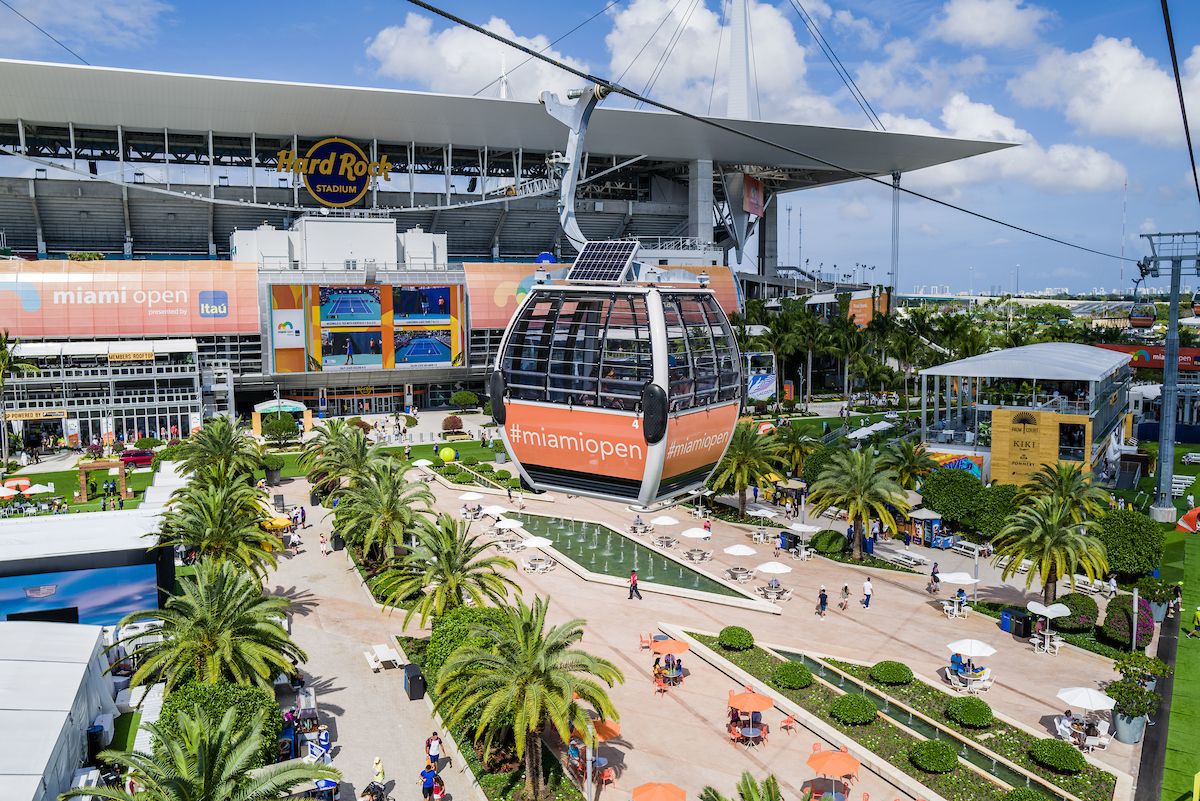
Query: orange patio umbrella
{"type": "Point", "coordinates": [833, 763]}
{"type": "Point", "coordinates": [605, 730]}
{"type": "Point", "coordinates": [751, 702]}
{"type": "Point", "coordinates": [657, 791]}
{"type": "Point", "coordinates": [1189, 522]}
{"type": "Point", "coordinates": [17, 483]}
{"type": "Point", "coordinates": [668, 647]}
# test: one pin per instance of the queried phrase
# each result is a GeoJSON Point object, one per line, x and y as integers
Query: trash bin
{"type": "Point", "coordinates": [1022, 625]}
{"type": "Point", "coordinates": [1006, 620]}
{"type": "Point", "coordinates": [313, 498]}
{"type": "Point", "coordinates": [338, 542]}
{"type": "Point", "coordinates": [414, 682]}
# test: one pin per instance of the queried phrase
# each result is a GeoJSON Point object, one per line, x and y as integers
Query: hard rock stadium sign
{"type": "Point", "coordinates": [335, 171]}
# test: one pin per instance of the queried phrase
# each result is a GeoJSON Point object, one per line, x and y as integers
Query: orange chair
{"type": "Point", "coordinates": [660, 686]}
{"type": "Point", "coordinates": [816, 747]}
{"type": "Point", "coordinates": [788, 723]}
{"type": "Point", "coordinates": [735, 735]}
{"type": "Point", "coordinates": [644, 642]}
{"type": "Point", "coordinates": [748, 688]}
{"type": "Point", "coordinates": [607, 776]}
{"type": "Point", "coordinates": [866, 797]}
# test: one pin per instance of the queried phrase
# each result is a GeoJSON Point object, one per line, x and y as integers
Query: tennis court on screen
{"type": "Point", "coordinates": [423, 349]}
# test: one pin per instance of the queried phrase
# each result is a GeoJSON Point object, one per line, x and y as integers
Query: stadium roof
{"type": "Point", "coordinates": [1045, 361]}
{"type": "Point", "coordinates": [49, 536]}
{"type": "Point", "coordinates": [103, 96]}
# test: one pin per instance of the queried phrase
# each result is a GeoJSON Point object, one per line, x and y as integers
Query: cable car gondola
{"type": "Point", "coordinates": [1196, 303]}
{"type": "Point", "coordinates": [617, 388]}
{"type": "Point", "coordinates": [1142, 315]}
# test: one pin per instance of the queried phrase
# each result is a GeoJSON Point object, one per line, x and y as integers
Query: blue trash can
{"type": "Point", "coordinates": [1006, 620]}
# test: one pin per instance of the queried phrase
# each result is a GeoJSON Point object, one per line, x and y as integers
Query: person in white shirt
{"type": "Point", "coordinates": [867, 590]}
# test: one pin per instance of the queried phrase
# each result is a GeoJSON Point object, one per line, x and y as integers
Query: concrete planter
{"type": "Point", "coordinates": [273, 477]}
{"type": "Point", "coordinates": [1159, 610]}
{"type": "Point", "coordinates": [1128, 730]}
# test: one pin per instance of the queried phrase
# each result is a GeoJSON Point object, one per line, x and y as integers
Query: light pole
{"type": "Point", "coordinates": [789, 231]}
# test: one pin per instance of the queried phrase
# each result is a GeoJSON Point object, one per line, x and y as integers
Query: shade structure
{"type": "Point", "coordinates": [276, 523]}
{"type": "Point", "coordinates": [833, 763]}
{"type": "Point", "coordinates": [279, 405]}
{"type": "Point", "coordinates": [1052, 611]}
{"type": "Point", "coordinates": [17, 483]}
{"type": "Point", "coordinates": [970, 648]}
{"type": "Point", "coordinates": [778, 568]}
{"type": "Point", "coordinates": [761, 513]}
{"type": "Point", "coordinates": [603, 729]}
{"type": "Point", "coordinates": [422, 463]}
{"type": "Point", "coordinates": [656, 791]}
{"type": "Point", "coordinates": [804, 528]}
{"type": "Point", "coordinates": [36, 489]}
{"type": "Point", "coordinates": [668, 647]}
{"type": "Point", "coordinates": [470, 496]}
{"type": "Point", "coordinates": [1085, 698]}
{"type": "Point", "coordinates": [507, 524]}
{"type": "Point", "coordinates": [1189, 521]}
{"type": "Point", "coordinates": [664, 520]}
{"type": "Point", "coordinates": [536, 542]}
{"type": "Point", "coordinates": [957, 578]}
{"type": "Point", "coordinates": [751, 702]}
{"type": "Point", "coordinates": [739, 550]}
{"type": "Point", "coordinates": [8, 492]}
{"type": "Point", "coordinates": [695, 534]}
{"type": "Point", "coordinates": [494, 511]}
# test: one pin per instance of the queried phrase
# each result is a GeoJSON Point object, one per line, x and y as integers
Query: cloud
{"type": "Point", "coordinates": [81, 26]}
{"type": "Point", "coordinates": [1111, 89]}
{"type": "Point", "coordinates": [925, 229]}
{"type": "Point", "coordinates": [906, 82]}
{"type": "Point", "coordinates": [1057, 168]}
{"type": "Point", "coordinates": [999, 241]}
{"type": "Point", "coordinates": [1148, 226]}
{"type": "Point", "coordinates": [854, 209]}
{"type": "Point", "coordinates": [991, 23]}
{"type": "Point", "coordinates": [457, 60]}
{"type": "Point", "coordinates": [868, 35]}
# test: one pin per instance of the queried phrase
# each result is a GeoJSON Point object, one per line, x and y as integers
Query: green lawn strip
{"type": "Point", "coordinates": [66, 484]}
{"type": "Point", "coordinates": [1093, 784]}
{"type": "Point", "coordinates": [1089, 641]}
{"type": "Point", "coordinates": [881, 736]}
{"type": "Point", "coordinates": [496, 786]}
{"type": "Point", "coordinates": [291, 466]}
{"type": "Point", "coordinates": [125, 730]}
{"type": "Point", "coordinates": [465, 448]}
{"type": "Point", "coordinates": [1183, 745]}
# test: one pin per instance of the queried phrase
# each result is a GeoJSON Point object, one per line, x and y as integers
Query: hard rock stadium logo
{"type": "Point", "coordinates": [335, 171]}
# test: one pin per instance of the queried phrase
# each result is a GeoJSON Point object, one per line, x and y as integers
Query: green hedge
{"type": "Point", "coordinates": [452, 631]}
{"type": "Point", "coordinates": [735, 638]}
{"type": "Point", "coordinates": [502, 475]}
{"type": "Point", "coordinates": [954, 494]}
{"type": "Point", "coordinates": [995, 507]}
{"type": "Point", "coordinates": [853, 709]}
{"type": "Point", "coordinates": [437, 462]}
{"type": "Point", "coordinates": [148, 442]}
{"type": "Point", "coordinates": [1058, 756]}
{"type": "Point", "coordinates": [273, 462]}
{"type": "Point", "coordinates": [791, 676]}
{"type": "Point", "coordinates": [1025, 794]}
{"type": "Point", "coordinates": [470, 461]}
{"type": "Point", "coordinates": [970, 711]}
{"type": "Point", "coordinates": [828, 541]}
{"type": "Point", "coordinates": [215, 699]}
{"type": "Point", "coordinates": [893, 673]}
{"type": "Point", "coordinates": [1133, 542]}
{"type": "Point", "coordinates": [484, 467]}
{"type": "Point", "coordinates": [1084, 613]}
{"type": "Point", "coordinates": [816, 462]}
{"type": "Point", "coordinates": [933, 756]}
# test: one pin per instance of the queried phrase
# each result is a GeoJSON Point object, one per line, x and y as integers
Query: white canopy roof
{"type": "Point", "coordinates": [43, 349]}
{"type": "Point", "coordinates": [831, 297]}
{"type": "Point", "coordinates": [1045, 361]}
{"type": "Point", "coordinates": [61, 535]}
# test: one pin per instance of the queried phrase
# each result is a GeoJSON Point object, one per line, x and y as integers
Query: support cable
{"type": "Point", "coordinates": [1187, 132]}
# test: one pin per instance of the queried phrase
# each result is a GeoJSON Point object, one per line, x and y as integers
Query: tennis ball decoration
{"type": "Point", "coordinates": [446, 454]}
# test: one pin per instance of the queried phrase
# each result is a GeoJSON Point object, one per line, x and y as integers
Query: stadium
{"type": "Point", "coordinates": [229, 275]}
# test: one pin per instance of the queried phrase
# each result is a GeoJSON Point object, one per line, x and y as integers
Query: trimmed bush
{"type": "Point", "coordinates": [1131, 699]}
{"type": "Point", "coordinates": [889, 672]}
{"type": "Point", "coordinates": [1084, 613]}
{"type": "Point", "coordinates": [470, 461]}
{"type": "Point", "coordinates": [1133, 541]}
{"type": "Point", "coordinates": [791, 676]}
{"type": "Point", "coordinates": [452, 422]}
{"type": "Point", "coordinates": [503, 475]}
{"type": "Point", "coordinates": [816, 462]}
{"type": "Point", "coordinates": [273, 462]}
{"type": "Point", "coordinates": [970, 711]}
{"type": "Point", "coordinates": [409, 420]}
{"type": "Point", "coordinates": [483, 467]}
{"type": "Point", "coordinates": [452, 631]}
{"type": "Point", "coordinates": [735, 638]}
{"type": "Point", "coordinates": [1025, 794]}
{"type": "Point", "coordinates": [995, 507]}
{"type": "Point", "coordinates": [280, 428]}
{"type": "Point", "coordinates": [215, 699]}
{"type": "Point", "coordinates": [954, 494]}
{"type": "Point", "coordinates": [498, 446]}
{"type": "Point", "coordinates": [1058, 756]}
{"type": "Point", "coordinates": [487, 408]}
{"type": "Point", "coordinates": [145, 443]}
{"type": "Point", "coordinates": [933, 756]}
{"type": "Point", "coordinates": [464, 399]}
{"type": "Point", "coordinates": [1118, 621]}
{"type": "Point", "coordinates": [853, 709]}
{"type": "Point", "coordinates": [828, 541]}
{"type": "Point", "coordinates": [513, 483]}
{"type": "Point", "coordinates": [437, 462]}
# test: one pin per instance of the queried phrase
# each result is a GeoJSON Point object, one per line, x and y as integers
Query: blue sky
{"type": "Point", "coordinates": [1083, 86]}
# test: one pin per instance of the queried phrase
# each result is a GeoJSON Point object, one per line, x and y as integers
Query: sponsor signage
{"type": "Point", "coordinates": [1154, 356]}
{"type": "Point", "coordinates": [287, 328]}
{"type": "Point", "coordinates": [753, 196]}
{"type": "Point", "coordinates": [132, 356]}
{"type": "Point", "coordinates": [36, 414]}
{"type": "Point", "coordinates": [600, 443]}
{"type": "Point", "coordinates": [335, 171]}
{"type": "Point", "coordinates": [697, 439]}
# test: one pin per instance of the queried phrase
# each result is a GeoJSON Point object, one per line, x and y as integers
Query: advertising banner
{"type": "Point", "coordinates": [697, 439]}
{"type": "Point", "coordinates": [72, 431]}
{"type": "Point", "coordinates": [287, 328]}
{"type": "Point", "coordinates": [863, 310]}
{"type": "Point", "coordinates": [96, 596]}
{"type": "Point", "coordinates": [753, 196]}
{"type": "Point", "coordinates": [954, 461]}
{"type": "Point", "coordinates": [128, 298]}
{"type": "Point", "coordinates": [601, 443]}
{"type": "Point", "coordinates": [1154, 356]}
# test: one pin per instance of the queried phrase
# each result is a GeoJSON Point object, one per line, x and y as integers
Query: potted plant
{"type": "Point", "coordinates": [1140, 667]}
{"type": "Point", "coordinates": [1158, 594]}
{"type": "Point", "coordinates": [273, 465]}
{"type": "Point", "coordinates": [1133, 703]}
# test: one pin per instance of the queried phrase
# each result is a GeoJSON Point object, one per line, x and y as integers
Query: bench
{"type": "Point", "coordinates": [966, 548]}
{"type": "Point", "coordinates": [372, 661]}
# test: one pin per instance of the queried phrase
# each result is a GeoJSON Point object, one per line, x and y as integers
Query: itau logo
{"type": "Point", "coordinates": [214, 303]}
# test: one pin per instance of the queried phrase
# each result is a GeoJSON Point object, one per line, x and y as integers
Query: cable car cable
{"type": "Point", "coordinates": [657, 72]}
{"type": "Point", "coordinates": [1187, 131]}
{"type": "Point", "coordinates": [46, 32]}
{"type": "Point", "coordinates": [836, 62]}
{"type": "Point", "coordinates": [712, 90]}
{"type": "Point", "coordinates": [646, 44]}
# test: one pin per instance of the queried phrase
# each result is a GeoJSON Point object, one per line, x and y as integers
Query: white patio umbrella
{"type": "Point", "coordinates": [957, 578]}
{"type": "Point", "coordinates": [36, 489]}
{"type": "Point", "coordinates": [664, 520]}
{"type": "Point", "coordinates": [804, 528]}
{"type": "Point", "coordinates": [1085, 698]}
{"type": "Point", "coordinates": [8, 492]}
{"type": "Point", "coordinates": [761, 513]}
{"type": "Point", "coordinates": [773, 567]}
{"type": "Point", "coordinates": [494, 511]}
{"type": "Point", "coordinates": [1052, 611]}
{"type": "Point", "coordinates": [422, 463]}
{"type": "Point", "coordinates": [970, 648]}
{"type": "Point", "coordinates": [470, 496]}
{"type": "Point", "coordinates": [507, 524]}
{"type": "Point", "coordinates": [536, 542]}
{"type": "Point", "coordinates": [695, 534]}
{"type": "Point", "coordinates": [740, 550]}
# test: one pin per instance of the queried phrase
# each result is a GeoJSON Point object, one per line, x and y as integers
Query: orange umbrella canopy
{"type": "Point", "coordinates": [17, 483]}
{"type": "Point", "coordinates": [751, 702]}
{"type": "Point", "coordinates": [833, 763]}
{"type": "Point", "coordinates": [1189, 522]}
{"type": "Point", "coordinates": [605, 730]}
{"type": "Point", "coordinates": [668, 647]}
{"type": "Point", "coordinates": [656, 791]}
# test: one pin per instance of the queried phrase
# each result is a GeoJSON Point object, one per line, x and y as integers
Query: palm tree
{"type": "Point", "coordinates": [849, 345]}
{"type": "Point", "coordinates": [326, 437]}
{"type": "Point", "coordinates": [910, 462]}
{"type": "Point", "coordinates": [381, 509]}
{"type": "Point", "coordinates": [220, 627]}
{"type": "Point", "coordinates": [1072, 488]}
{"type": "Point", "coordinates": [1045, 533]}
{"type": "Point", "coordinates": [796, 446]}
{"type": "Point", "coordinates": [209, 760]}
{"type": "Point", "coordinates": [780, 339]}
{"type": "Point", "coordinates": [750, 458]}
{"type": "Point", "coordinates": [905, 347]}
{"type": "Point", "coordinates": [223, 444]}
{"type": "Point", "coordinates": [750, 789]}
{"type": "Point", "coordinates": [10, 364]}
{"type": "Point", "coordinates": [810, 338]}
{"type": "Point", "coordinates": [217, 516]}
{"type": "Point", "coordinates": [526, 675]}
{"type": "Point", "coordinates": [348, 457]}
{"type": "Point", "coordinates": [858, 483]}
{"type": "Point", "coordinates": [449, 568]}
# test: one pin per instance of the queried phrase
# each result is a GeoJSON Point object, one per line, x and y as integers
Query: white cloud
{"type": "Point", "coordinates": [1110, 89]}
{"type": "Point", "coordinates": [854, 209]}
{"type": "Point", "coordinates": [991, 23]}
{"type": "Point", "coordinates": [903, 81]}
{"type": "Point", "coordinates": [868, 35]}
{"type": "Point", "coordinates": [925, 229]}
{"type": "Point", "coordinates": [459, 61]}
{"type": "Point", "coordinates": [81, 26]}
{"type": "Point", "coordinates": [1148, 226]}
{"type": "Point", "coordinates": [1057, 168]}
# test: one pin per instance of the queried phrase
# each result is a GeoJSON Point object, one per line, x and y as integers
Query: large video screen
{"type": "Point", "coordinates": [98, 597]}
{"type": "Point", "coordinates": [351, 349]}
{"type": "Point", "coordinates": [349, 306]}
{"type": "Point", "coordinates": [421, 304]}
{"type": "Point", "coordinates": [423, 346]}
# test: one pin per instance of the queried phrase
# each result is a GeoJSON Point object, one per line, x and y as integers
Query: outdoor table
{"type": "Point", "coordinates": [696, 553]}
{"type": "Point", "coordinates": [737, 571]}
{"type": "Point", "coordinates": [599, 762]}
{"type": "Point", "coordinates": [664, 542]}
{"type": "Point", "coordinates": [772, 592]}
{"type": "Point", "coordinates": [751, 735]}
{"type": "Point", "coordinates": [674, 675]}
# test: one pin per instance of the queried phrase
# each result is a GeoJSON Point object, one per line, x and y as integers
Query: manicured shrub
{"type": "Point", "coordinates": [409, 420]}
{"type": "Point", "coordinates": [970, 711]}
{"type": "Point", "coordinates": [503, 475]}
{"type": "Point", "coordinates": [933, 756]}
{"type": "Point", "coordinates": [437, 462]}
{"type": "Point", "coordinates": [452, 422]}
{"type": "Point", "coordinates": [735, 638]}
{"type": "Point", "coordinates": [215, 699]}
{"type": "Point", "coordinates": [279, 428]}
{"type": "Point", "coordinates": [816, 462]}
{"type": "Point", "coordinates": [359, 423]}
{"type": "Point", "coordinates": [1133, 541]}
{"type": "Point", "coordinates": [1118, 621]}
{"type": "Point", "coordinates": [954, 494]}
{"type": "Point", "coordinates": [853, 709]}
{"type": "Point", "coordinates": [464, 399]}
{"type": "Point", "coordinates": [828, 541]}
{"type": "Point", "coordinates": [1131, 699]}
{"type": "Point", "coordinates": [470, 461]}
{"type": "Point", "coordinates": [498, 446]}
{"type": "Point", "coordinates": [1084, 613]}
{"type": "Point", "coordinates": [273, 462]}
{"type": "Point", "coordinates": [146, 443]}
{"type": "Point", "coordinates": [789, 406]}
{"type": "Point", "coordinates": [791, 676]}
{"type": "Point", "coordinates": [452, 631]}
{"type": "Point", "coordinates": [1025, 794]}
{"type": "Point", "coordinates": [1058, 756]}
{"type": "Point", "coordinates": [483, 467]}
{"type": "Point", "coordinates": [487, 408]}
{"type": "Point", "coordinates": [513, 483]}
{"type": "Point", "coordinates": [889, 672]}
{"type": "Point", "coordinates": [995, 507]}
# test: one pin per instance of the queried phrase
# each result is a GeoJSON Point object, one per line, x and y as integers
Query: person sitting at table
{"type": "Point", "coordinates": [956, 664]}
{"type": "Point", "coordinates": [637, 521]}
{"type": "Point", "coordinates": [658, 670]}
{"type": "Point", "coordinates": [756, 720]}
{"type": "Point", "coordinates": [1091, 728]}
{"type": "Point", "coordinates": [773, 583]}
{"type": "Point", "coordinates": [708, 525]}
{"type": "Point", "coordinates": [670, 661]}
{"type": "Point", "coordinates": [734, 717]}
{"type": "Point", "coordinates": [679, 668]}
{"type": "Point", "coordinates": [960, 597]}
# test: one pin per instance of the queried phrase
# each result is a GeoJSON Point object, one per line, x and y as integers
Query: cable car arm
{"type": "Point", "coordinates": [574, 114]}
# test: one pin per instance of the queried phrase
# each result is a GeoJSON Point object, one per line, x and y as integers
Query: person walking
{"type": "Point", "coordinates": [844, 603]}
{"type": "Point", "coordinates": [633, 586]}
{"type": "Point", "coordinates": [822, 601]}
{"type": "Point", "coordinates": [324, 545]}
{"type": "Point", "coordinates": [433, 749]}
{"type": "Point", "coordinates": [427, 777]}
{"type": "Point", "coordinates": [867, 590]}
{"type": "Point", "coordinates": [379, 775]}
{"type": "Point", "coordinates": [510, 494]}
{"type": "Point", "coordinates": [303, 518]}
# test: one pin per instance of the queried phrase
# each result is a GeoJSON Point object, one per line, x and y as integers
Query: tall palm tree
{"type": "Point", "coordinates": [326, 437]}
{"type": "Point", "coordinates": [223, 444]}
{"type": "Point", "coordinates": [780, 339]}
{"type": "Point", "coordinates": [910, 462]}
{"type": "Point", "coordinates": [449, 568]}
{"type": "Point", "coordinates": [526, 675]}
{"type": "Point", "coordinates": [796, 446]}
{"type": "Point", "coordinates": [866, 489]}
{"type": "Point", "coordinates": [209, 760]}
{"type": "Point", "coordinates": [849, 345]}
{"type": "Point", "coordinates": [217, 515]}
{"type": "Point", "coordinates": [750, 458]}
{"type": "Point", "coordinates": [750, 789]}
{"type": "Point", "coordinates": [1045, 533]}
{"type": "Point", "coordinates": [10, 364]}
{"type": "Point", "coordinates": [349, 455]}
{"type": "Point", "coordinates": [1073, 489]}
{"type": "Point", "coordinates": [905, 347]}
{"type": "Point", "coordinates": [382, 510]}
{"type": "Point", "coordinates": [220, 627]}
{"type": "Point", "coordinates": [811, 337]}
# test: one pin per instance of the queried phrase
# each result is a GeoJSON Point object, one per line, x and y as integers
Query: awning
{"type": "Point", "coordinates": [924, 514]}
{"type": "Point", "coordinates": [281, 405]}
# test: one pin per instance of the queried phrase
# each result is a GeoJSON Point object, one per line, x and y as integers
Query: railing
{"type": "Point", "coordinates": [674, 243]}
{"type": "Point", "coordinates": [1067, 454]}
{"type": "Point", "coordinates": [992, 400]}
{"type": "Point", "coordinates": [61, 373]}
{"type": "Point", "coordinates": [410, 264]}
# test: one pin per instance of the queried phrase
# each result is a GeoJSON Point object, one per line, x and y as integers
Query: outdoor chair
{"type": "Point", "coordinates": [816, 747]}
{"type": "Point", "coordinates": [1062, 727]}
{"type": "Point", "coordinates": [956, 680]}
{"type": "Point", "coordinates": [607, 776]}
{"type": "Point", "coordinates": [788, 724]}
{"type": "Point", "coordinates": [644, 642]}
{"type": "Point", "coordinates": [660, 686]}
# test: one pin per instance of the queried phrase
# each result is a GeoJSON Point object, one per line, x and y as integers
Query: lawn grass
{"type": "Point", "coordinates": [125, 731]}
{"type": "Point", "coordinates": [66, 483]}
{"type": "Point", "coordinates": [1182, 560]}
{"type": "Point", "coordinates": [465, 448]}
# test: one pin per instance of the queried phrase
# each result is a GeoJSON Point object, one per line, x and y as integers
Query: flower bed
{"type": "Point", "coordinates": [1090, 784]}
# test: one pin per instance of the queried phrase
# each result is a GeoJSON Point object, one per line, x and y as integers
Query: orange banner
{"type": "Point", "coordinates": [128, 298]}
{"type": "Point", "coordinates": [698, 438]}
{"type": "Point", "coordinates": [582, 440]}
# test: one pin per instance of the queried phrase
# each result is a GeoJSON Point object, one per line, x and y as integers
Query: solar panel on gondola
{"type": "Point", "coordinates": [603, 262]}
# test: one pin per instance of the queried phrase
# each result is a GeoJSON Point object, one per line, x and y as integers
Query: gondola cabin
{"type": "Point", "coordinates": [614, 387]}
{"type": "Point", "coordinates": [1142, 315]}
{"type": "Point", "coordinates": [1196, 304]}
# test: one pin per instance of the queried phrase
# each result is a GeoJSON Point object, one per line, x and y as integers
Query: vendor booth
{"type": "Point", "coordinates": [925, 528]}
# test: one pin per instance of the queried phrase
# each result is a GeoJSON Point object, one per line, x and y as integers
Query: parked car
{"type": "Point", "coordinates": [137, 458]}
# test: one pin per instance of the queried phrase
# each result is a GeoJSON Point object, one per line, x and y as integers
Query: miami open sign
{"type": "Point", "coordinates": [335, 171]}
